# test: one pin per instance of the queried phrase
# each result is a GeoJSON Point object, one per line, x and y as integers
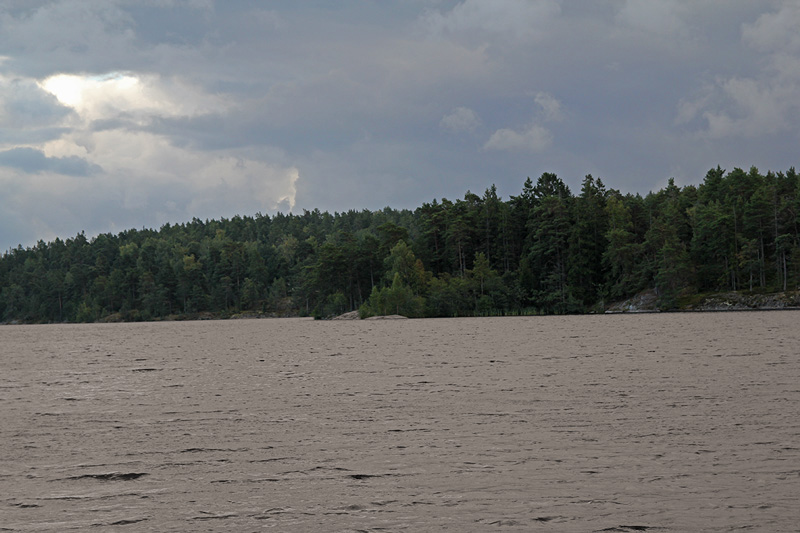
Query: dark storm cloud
{"type": "Point", "coordinates": [28, 114]}
{"type": "Point", "coordinates": [26, 105]}
{"type": "Point", "coordinates": [33, 161]}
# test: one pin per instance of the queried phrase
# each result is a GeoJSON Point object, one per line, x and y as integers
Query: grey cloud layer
{"type": "Point", "coordinates": [356, 104]}
{"type": "Point", "coordinates": [33, 161]}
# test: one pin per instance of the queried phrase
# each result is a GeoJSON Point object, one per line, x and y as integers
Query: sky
{"type": "Point", "coordinates": [120, 114]}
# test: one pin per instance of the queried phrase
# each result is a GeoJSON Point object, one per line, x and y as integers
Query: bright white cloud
{"type": "Point", "coordinates": [657, 17]}
{"type": "Point", "coordinates": [756, 109]}
{"type": "Point", "coordinates": [126, 166]}
{"type": "Point", "coordinates": [532, 139]}
{"type": "Point", "coordinates": [760, 105]}
{"type": "Point", "coordinates": [461, 119]}
{"type": "Point", "coordinates": [149, 160]}
{"type": "Point", "coordinates": [518, 20]}
{"type": "Point", "coordinates": [115, 94]}
{"type": "Point", "coordinates": [191, 4]}
{"type": "Point", "coordinates": [688, 109]}
{"type": "Point", "coordinates": [775, 31]}
{"type": "Point", "coordinates": [550, 106]}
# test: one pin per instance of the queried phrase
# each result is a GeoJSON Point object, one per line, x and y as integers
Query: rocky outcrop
{"type": "Point", "coordinates": [644, 302]}
{"type": "Point", "coordinates": [647, 302]}
{"type": "Point", "coordinates": [352, 315]}
{"type": "Point", "coordinates": [739, 301]}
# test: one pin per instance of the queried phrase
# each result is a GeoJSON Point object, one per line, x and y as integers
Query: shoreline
{"type": "Point", "coordinates": [396, 317]}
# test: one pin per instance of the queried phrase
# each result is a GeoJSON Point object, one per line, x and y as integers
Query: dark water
{"type": "Point", "coordinates": [684, 422]}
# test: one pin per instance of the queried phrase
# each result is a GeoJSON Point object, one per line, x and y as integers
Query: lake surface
{"type": "Point", "coordinates": [663, 422]}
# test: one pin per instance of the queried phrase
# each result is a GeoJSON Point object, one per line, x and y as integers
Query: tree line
{"type": "Point", "coordinates": [544, 251]}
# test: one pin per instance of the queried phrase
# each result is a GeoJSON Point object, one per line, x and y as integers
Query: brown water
{"type": "Point", "coordinates": [679, 422]}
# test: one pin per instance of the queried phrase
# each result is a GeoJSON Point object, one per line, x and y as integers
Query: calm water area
{"type": "Point", "coordinates": [656, 422]}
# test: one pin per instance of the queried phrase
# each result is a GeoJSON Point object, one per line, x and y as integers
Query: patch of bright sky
{"type": "Point", "coordinates": [104, 96]}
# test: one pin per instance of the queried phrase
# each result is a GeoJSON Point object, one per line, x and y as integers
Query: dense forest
{"type": "Point", "coordinates": [546, 251]}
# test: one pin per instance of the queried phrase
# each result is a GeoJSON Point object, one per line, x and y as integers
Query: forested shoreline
{"type": "Point", "coordinates": [545, 251]}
